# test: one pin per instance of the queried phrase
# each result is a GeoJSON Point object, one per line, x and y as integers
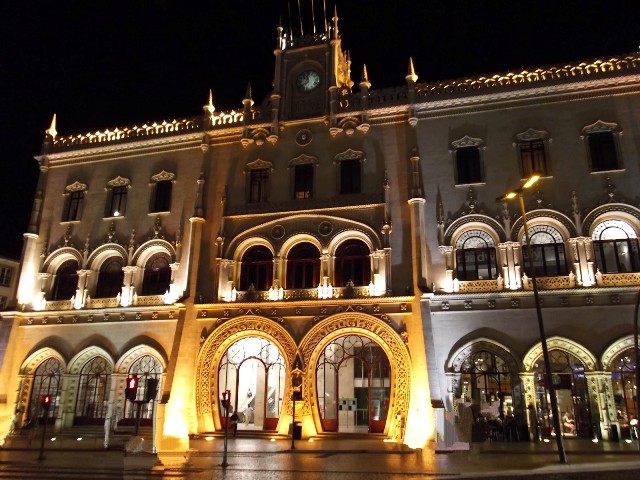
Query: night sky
{"type": "Point", "coordinates": [100, 64]}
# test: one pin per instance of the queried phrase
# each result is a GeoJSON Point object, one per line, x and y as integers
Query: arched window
{"type": "Point", "coordinates": [46, 381]}
{"type": "Point", "coordinates": [568, 376]}
{"type": "Point", "coordinates": [623, 382]}
{"type": "Point", "coordinates": [352, 263]}
{"type": "Point", "coordinates": [487, 382]}
{"type": "Point", "coordinates": [66, 281]}
{"type": "Point", "coordinates": [476, 256]}
{"type": "Point", "coordinates": [303, 266]}
{"type": "Point", "coordinates": [616, 247]}
{"type": "Point", "coordinates": [547, 247]}
{"type": "Point", "coordinates": [143, 368]}
{"type": "Point", "coordinates": [110, 278]}
{"type": "Point", "coordinates": [93, 392]}
{"type": "Point", "coordinates": [256, 268]}
{"type": "Point", "coordinates": [157, 275]}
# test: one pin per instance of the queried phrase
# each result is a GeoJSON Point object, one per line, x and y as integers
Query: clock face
{"type": "Point", "coordinates": [308, 80]}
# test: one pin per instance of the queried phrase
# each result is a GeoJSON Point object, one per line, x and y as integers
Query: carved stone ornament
{"type": "Point", "coordinates": [76, 187]}
{"type": "Point", "coordinates": [277, 232]}
{"type": "Point", "coordinates": [163, 176]}
{"type": "Point", "coordinates": [325, 228]}
{"type": "Point", "coordinates": [349, 154]}
{"type": "Point", "coordinates": [529, 135]}
{"type": "Point", "coordinates": [258, 164]}
{"type": "Point", "coordinates": [304, 137]}
{"type": "Point", "coordinates": [467, 141]}
{"type": "Point", "coordinates": [599, 127]}
{"type": "Point", "coordinates": [303, 160]}
{"type": "Point", "coordinates": [118, 182]}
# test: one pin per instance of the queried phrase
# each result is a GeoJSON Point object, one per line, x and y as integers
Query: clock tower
{"type": "Point", "coordinates": [310, 71]}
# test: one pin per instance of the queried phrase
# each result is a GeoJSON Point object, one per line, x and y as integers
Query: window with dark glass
{"type": "Point", "coordinates": [616, 247]}
{"type": "Point", "coordinates": [66, 281]}
{"type": "Point", "coordinates": [350, 176]}
{"type": "Point", "coordinates": [256, 268]}
{"type": "Point", "coordinates": [162, 196]}
{"type": "Point", "coordinates": [476, 256]}
{"type": "Point", "coordinates": [533, 158]}
{"type": "Point", "coordinates": [303, 181]}
{"type": "Point", "coordinates": [117, 201]}
{"type": "Point", "coordinates": [602, 150]}
{"type": "Point", "coordinates": [547, 247]}
{"type": "Point", "coordinates": [157, 275]}
{"type": "Point", "coordinates": [303, 266]}
{"type": "Point", "coordinates": [352, 263]}
{"type": "Point", "coordinates": [73, 208]}
{"type": "Point", "coordinates": [258, 185]}
{"type": "Point", "coordinates": [110, 278]}
{"type": "Point", "coordinates": [5, 276]}
{"type": "Point", "coordinates": [468, 166]}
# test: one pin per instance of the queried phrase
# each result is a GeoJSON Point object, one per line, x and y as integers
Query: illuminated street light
{"type": "Point", "coordinates": [536, 298]}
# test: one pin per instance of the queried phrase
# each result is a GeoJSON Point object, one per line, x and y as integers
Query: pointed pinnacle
{"type": "Point", "coordinates": [52, 129]}
{"type": "Point", "coordinates": [365, 75]}
{"type": "Point", "coordinates": [209, 107]}
{"type": "Point", "coordinates": [412, 72]}
{"type": "Point", "coordinates": [335, 22]}
{"type": "Point", "coordinates": [248, 94]}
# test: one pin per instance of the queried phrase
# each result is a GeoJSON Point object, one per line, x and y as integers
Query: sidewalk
{"type": "Point", "coordinates": [362, 458]}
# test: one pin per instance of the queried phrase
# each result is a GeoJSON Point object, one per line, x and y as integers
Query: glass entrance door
{"type": "Point", "coordinates": [253, 370]}
{"type": "Point", "coordinates": [353, 380]}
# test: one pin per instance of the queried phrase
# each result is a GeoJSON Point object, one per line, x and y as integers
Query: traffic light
{"type": "Point", "coordinates": [45, 401]}
{"type": "Point", "coordinates": [226, 399]}
{"type": "Point", "coordinates": [152, 389]}
{"type": "Point", "coordinates": [131, 390]}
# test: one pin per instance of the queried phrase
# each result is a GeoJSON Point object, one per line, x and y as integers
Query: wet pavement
{"type": "Point", "coordinates": [331, 459]}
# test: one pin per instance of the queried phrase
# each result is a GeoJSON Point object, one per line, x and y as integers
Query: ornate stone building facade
{"type": "Point", "coordinates": [348, 234]}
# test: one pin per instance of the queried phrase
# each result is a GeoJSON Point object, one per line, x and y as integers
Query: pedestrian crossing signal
{"type": "Point", "coordinates": [45, 401]}
{"type": "Point", "coordinates": [131, 390]}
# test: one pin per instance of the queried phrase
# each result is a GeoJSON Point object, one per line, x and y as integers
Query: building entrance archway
{"type": "Point", "coordinates": [252, 353]}
{"type": "Point", "coordinates": [388, 351]}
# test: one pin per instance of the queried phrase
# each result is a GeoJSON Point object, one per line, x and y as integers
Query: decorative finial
{"type": "Point", "coordinates": [411, 75]}
{"type": "Point", "coordinates": [365, 75]}
{"type": "Point", "coordinates": [52, 129]}
{"type": "Point", "coordinates": [248, 97]}
{"type": "Point", "coordinates": [335, 23]}
{"type": "Point", "coordinates": [209, 107]}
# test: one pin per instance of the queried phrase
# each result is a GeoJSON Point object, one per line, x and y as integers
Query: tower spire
{"type": "Point", "coordinates": [209, 106]}
{"type": "Point", "coordinates": [335, 23]}
{"type": "Point", "coordinates": [52, 129]}
{"type": "Point", "coordinates": [411, 75]}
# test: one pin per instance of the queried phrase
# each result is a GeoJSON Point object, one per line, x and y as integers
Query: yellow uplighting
{"type": "Point", "coordinates": [273, 440]}
{"type": "Point", "coordinates": [311, 440]}
{"type": "Point", "coordinates": [531, 181]}
{"type": "Point", "coordinates": [510, 195]}
{"type": "Point", "coordinates": [208, 439]}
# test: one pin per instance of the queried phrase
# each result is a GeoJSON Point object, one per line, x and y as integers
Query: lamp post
{"type": "Point", "coordinates": [226, 403]}
{"type": "Point", "coordinates": [536, 298]}
{"type": "Point", "coordinates": [636, 349]}
{"type": "Point", "coordinates": [296, 394]}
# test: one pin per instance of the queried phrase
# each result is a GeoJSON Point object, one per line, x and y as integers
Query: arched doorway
{"type": "Point", "coordinates": [353, 383]}
{"type": "Point", "coordinates": [254, 371]}
{"type": "Point", "coordinates": [93, 392]}
{"type": "Point", "coordinates": [487, 383]}
{"type": "Point", "coordinates": [143, 368]}
{"type": "Point", "coordinates": [568, 375]}
{"type": "Point", "coordinates": [47, 379]}
{"type": "Point", "coordinates": [624, 389]}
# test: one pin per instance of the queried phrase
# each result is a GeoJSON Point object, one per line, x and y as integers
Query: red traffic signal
{"type": "Point", "coordinates": [45, 401]}
{"type": "Point", "coordinates": [226, 398]}
{"type": "Point", "coordinates": [131, 389]}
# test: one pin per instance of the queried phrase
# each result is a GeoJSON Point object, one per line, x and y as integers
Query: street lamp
{"type": "Point", "coordinates": [536, 298]}
{"type": "Point", "coordinates": [636, 349]}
